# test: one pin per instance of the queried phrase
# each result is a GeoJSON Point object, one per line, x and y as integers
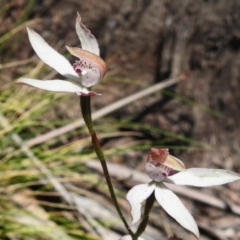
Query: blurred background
{"type": "Point", "coordinates": [50, 186]}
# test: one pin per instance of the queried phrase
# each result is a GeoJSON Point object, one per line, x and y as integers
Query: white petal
{"type": "Point", "coordinates": [136, 196]}
{"type": "Point", "coordinates": [88, 41]}
{"type": "Point", "coordinates": [51, 57]}
{"type": "Point", "coordinates": [54, 85]}
{"type": "Point", "coordinates": [203, 177]}
{"type": "Point", "coordinates": [128, 237]}
{"type": "Point", "coordinates": [90, 77]}
{"type": "Point", "coordinates": [175, 208]}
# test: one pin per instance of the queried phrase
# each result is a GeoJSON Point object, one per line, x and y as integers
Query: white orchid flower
{"type": "Point", "coordinates": [162, 167]}
{"type": "Point", "coordinates": [85, 73]}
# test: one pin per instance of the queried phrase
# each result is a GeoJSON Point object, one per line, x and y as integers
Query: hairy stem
{"type": "Point", "coordinates": [86, 113]}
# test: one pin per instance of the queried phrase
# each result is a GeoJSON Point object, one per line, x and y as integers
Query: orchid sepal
{"type": "Point", "coordinates": [203, 177]}
{"type": "Point", "coordinates": [57, 86]}
{"type": "Point", "coordinates": [51, 57]}
{"type": "Point", "coordinates": [175, 208]}
{"type": "Point", "coordinates": [136, 196]}
{"type": "Point", "coordinates": [166, 198]}
{"type": "Point", "coordinates": [87, 39]}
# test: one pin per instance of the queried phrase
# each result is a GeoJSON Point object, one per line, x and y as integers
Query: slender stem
{"type": "Point", "coordinates": [86, 113]}
{"type": "Point", "coordinates": [148, 206]}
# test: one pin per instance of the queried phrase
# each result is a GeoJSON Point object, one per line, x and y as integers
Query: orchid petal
{"type": "Point", "coordinates": [128, 237]}
{"type": "Point", "coordinates": [51, 57]}
{"type": "Point", "coordinates": [175, 208]}
{"type": "Point", "coordinates": [203, 177]}
{"type": "Point", "coordinates": [135, 198]}
{"type": "Point", "coordinates": [88, 41]}
{"type": "Point", "coordinates": [56, 86]}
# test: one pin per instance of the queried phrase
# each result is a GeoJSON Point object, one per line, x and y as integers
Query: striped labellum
{"type": "Point", "coordinates": [161, 165]}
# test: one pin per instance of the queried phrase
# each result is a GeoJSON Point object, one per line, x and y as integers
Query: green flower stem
{"type": "Point", "coordinates": [86, 113]}
{"type": "Point", "coordinates": [142, 226]}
